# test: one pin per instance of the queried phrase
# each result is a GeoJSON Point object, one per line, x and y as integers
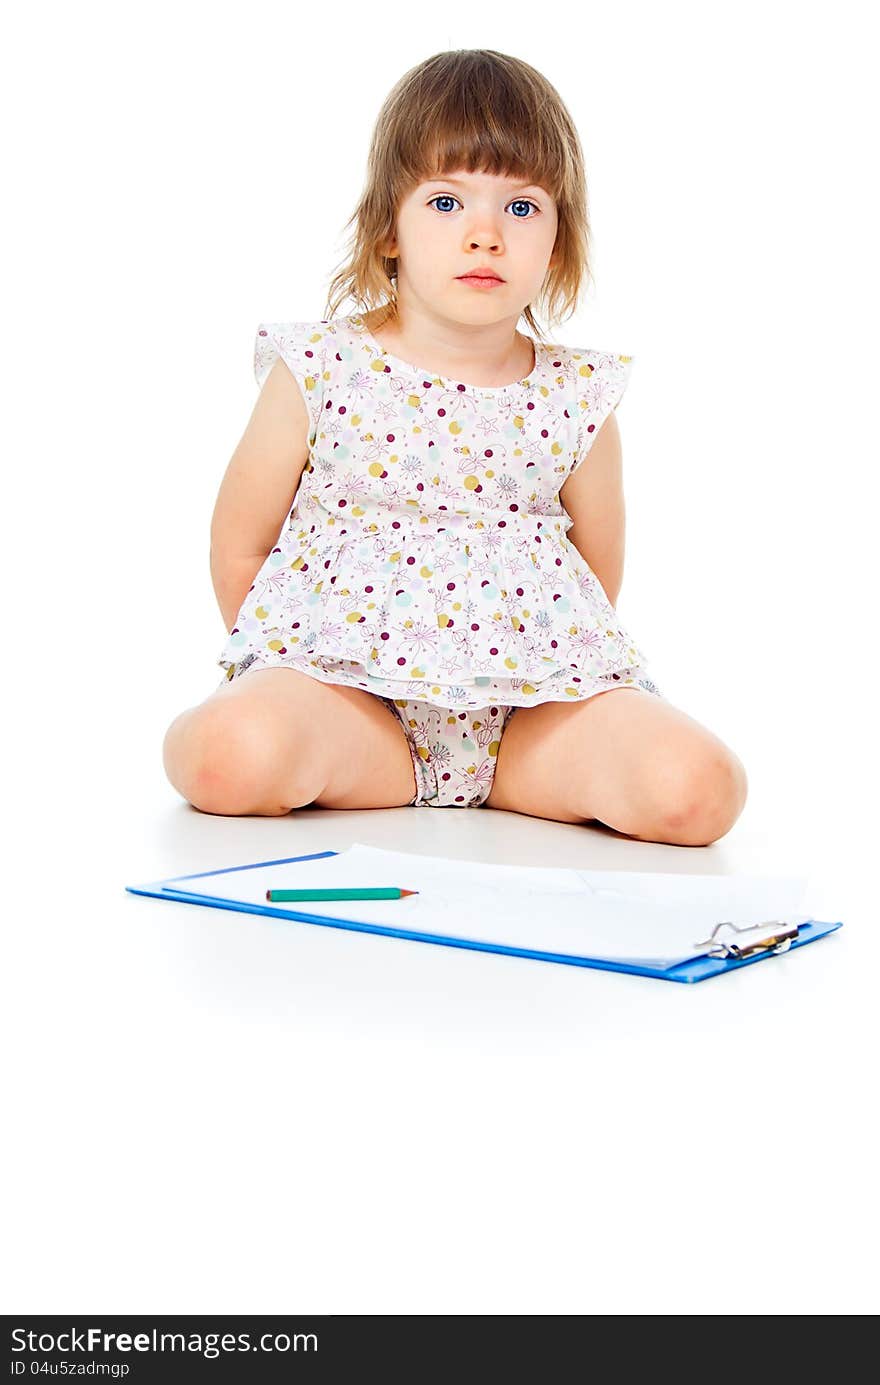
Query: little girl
{"type": "Point", "coordinates": [431, 620]}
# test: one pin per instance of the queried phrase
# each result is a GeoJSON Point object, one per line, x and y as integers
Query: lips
{"type": "Point", "coordinates": [481, 274]}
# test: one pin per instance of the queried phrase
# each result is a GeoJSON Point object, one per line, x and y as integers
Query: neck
{"type": "Point", "coordinates": [483, 356]}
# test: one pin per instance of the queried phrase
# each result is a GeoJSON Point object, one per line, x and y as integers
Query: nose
{"type": "Point", "coordinates": [491, 237]}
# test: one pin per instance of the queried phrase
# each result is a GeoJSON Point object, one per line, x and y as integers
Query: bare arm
{"type": "Point", "coordinates": [258, 488]}
{"type": "Point", "coordinates": [593, 498]}
{"type": "Point", "coordinates": [232, 579]}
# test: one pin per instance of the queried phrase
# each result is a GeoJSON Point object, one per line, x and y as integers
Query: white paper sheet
{"type": "Point", "coordinates": [659, 919]}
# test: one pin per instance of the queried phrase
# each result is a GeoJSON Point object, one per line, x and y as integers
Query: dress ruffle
{"type": "Point", "coordinates": [406, 611]}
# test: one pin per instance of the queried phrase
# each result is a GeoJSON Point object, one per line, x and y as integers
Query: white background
{"type": "Point", "coordinates": [222, 1114]}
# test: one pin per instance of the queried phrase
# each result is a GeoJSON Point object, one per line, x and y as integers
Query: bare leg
{"type": "Point", "coordinates": [625, 758]}
{"type": "Point", "coordinates": [275, 739]}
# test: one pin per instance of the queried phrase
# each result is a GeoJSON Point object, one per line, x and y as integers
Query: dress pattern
{"type": "Point", "coordinates": [424, 556]}
{"type": "Point", "coordinates": [454, 754]}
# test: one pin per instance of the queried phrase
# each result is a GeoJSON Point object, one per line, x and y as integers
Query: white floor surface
{"type": "Point", "coordinates": [214, 1112]}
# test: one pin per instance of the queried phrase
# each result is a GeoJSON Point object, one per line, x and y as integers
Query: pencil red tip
{"type": "Point", "coordinates": [403, 892]}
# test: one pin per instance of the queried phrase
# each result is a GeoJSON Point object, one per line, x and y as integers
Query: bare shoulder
{"type": "Point", "coordinates": [266, 468]}
{"type": "Point", "coordinates": [605, 456]}
{"type": "Point", "coordinates": [283, 390]}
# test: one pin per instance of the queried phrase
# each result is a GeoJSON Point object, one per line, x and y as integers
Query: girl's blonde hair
{"type": "Point", "coordinates": [480, 110]}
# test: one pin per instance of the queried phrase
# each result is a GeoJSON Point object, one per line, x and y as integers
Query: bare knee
{"type": "Point", "coordinates": [702, 800]}
{"type": "Point", "coordinates": [233, 765]}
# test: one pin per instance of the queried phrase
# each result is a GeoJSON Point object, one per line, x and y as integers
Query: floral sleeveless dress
{"type": "Point", "coordinates": [424, 557]}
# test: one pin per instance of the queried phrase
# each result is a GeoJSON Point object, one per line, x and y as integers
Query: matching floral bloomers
{"type": "Point", "coordinates": [425, 557]}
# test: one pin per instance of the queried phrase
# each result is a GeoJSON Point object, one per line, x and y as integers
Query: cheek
{"type": "Point", "coordinates": [427, 248]}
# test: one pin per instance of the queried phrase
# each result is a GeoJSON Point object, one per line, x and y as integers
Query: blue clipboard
{"type": "Point", "coordinates": [697, 969]}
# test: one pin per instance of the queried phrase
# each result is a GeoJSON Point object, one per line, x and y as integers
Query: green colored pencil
{"type": "Point", "coordinates": [288, 896]}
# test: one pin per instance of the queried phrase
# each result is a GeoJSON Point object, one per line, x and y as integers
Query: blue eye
{"type": "Point", "coordinates": [518, 202]}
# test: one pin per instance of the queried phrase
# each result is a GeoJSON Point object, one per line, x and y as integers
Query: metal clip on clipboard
{"type": "Point", "coordinates": [774, 936]}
